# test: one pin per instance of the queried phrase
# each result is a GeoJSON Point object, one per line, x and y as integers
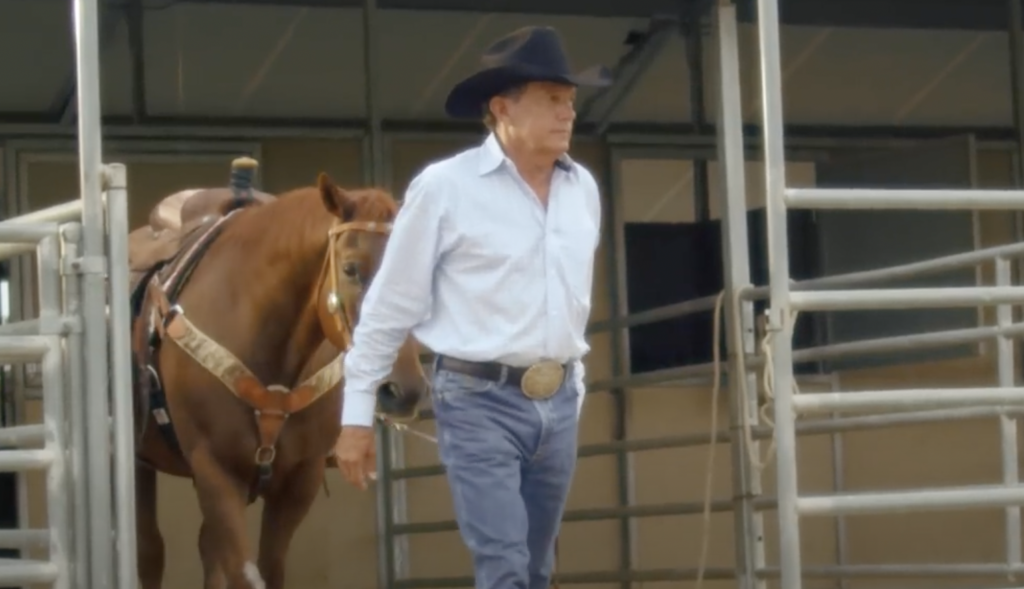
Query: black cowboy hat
{"type": "Point", "coordinates": [530, 54]}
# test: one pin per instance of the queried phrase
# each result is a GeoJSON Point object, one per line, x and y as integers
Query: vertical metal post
{"type": "Point", "coordinates": [397, 491]}
{"type": "Point", "coordinates": [371, 77]}
{"type": "Point", "coordinates": [839, 484]}
{"type": "Point", "coordinates": [779, 325]}
{"type": "Point", "coordinates": [399, 508]}
{"type": "Point", "coordinates": [1016, 49]}
{"type": "Point", "coordinates": [1016, 18]}
{"type": "Point", "coordinates": [58, 510]}
{"type": "Point", "coordinates": [20, 274]}
{"type": "Point", "coordinates": [1008, 425]}
{"type": "Point", "coordinates": [692, 31]}
{"type": "Point", "coordinates": [373, 172]}
{"type": "Point", "coordinates": [614, 258]}
{"type": "Point", "coordinates": [75, 387]}
{"type": "Point", "coordinates": [739, 317]}
{"type": "Point", "coordinates": [121, 374]}
{"type": "Point", "coordinates": [614, 227]}
{"type": "Point", "coordinates": [385, 525]}
{"type": "Point", "coordinates": [94, 308]}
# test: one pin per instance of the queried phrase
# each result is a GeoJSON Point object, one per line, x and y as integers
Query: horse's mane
{"type": "Point", "coordinates": [298, 220]}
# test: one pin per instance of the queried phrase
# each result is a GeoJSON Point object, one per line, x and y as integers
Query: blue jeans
{"type": "Point", "coordinates": [509, 462]}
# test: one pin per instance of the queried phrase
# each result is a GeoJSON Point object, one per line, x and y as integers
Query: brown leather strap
{"type": "Point", "coordinates": [272, 407]}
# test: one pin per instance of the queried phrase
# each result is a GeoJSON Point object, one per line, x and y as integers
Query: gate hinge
{"type": "Point", "coordinates": [61, 325]}
{"type": "Point", "coordinates": [86, 265]}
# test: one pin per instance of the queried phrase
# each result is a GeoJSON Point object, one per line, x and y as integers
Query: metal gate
{"type": "Point", "coordinates": [785, 302]}
{"type": "Point", "coordinates": [77, 343]}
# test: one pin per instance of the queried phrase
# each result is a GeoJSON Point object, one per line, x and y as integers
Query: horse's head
{"type": "Point", "coordinates": [355, 247]}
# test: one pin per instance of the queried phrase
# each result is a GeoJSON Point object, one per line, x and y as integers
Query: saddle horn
{"type": "Point", "coordinates": [243, 170]}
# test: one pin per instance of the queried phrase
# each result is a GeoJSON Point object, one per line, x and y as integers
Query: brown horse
{"type": "Point", "coordinates": [237, 339]}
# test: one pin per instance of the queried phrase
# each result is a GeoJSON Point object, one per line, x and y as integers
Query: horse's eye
{"type": "Point", "coordinates": [351, 270]}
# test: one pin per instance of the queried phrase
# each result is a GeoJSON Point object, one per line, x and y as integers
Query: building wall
{"type": "Point", "coordinates": [336, 546]}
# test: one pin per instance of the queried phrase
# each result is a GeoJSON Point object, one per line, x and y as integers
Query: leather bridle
{"type": "Point", "coordinates": [336, 307]}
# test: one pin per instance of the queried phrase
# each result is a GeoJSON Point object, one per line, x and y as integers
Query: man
{"type": "Point", "coordinates": [490, 265]}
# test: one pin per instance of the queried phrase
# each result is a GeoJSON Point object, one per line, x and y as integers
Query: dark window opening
{"type": "Point", "coordinates": [668, 263]}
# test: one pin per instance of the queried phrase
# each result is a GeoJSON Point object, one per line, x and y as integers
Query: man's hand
{"type": "Point", "coordinates": [356, 455]}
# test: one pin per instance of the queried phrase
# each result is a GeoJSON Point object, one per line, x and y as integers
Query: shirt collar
{"type": "Point", "coordinates": [492, 156]}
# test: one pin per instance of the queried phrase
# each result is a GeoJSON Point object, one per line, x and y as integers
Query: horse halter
{"type": "Point", "coordinates": [335, 303]}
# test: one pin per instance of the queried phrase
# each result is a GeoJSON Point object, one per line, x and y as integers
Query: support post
{"type": "Point", "coordinates": [79, 492]}
{"type": "Point", "coordinates": [374, 133]}
{"type": "Point", "coordinates": [1008, 424]}
{"type": "Point", "coordinates": [614, 260]}
{"type": "Point", "coordinates": [58, 510]}
{"type": "Point", "coordinates": [121, 375]}
{"type": "Point", "coordinates": [739, 314]}
{"type": "Point", "coordinates": [1016, 18]}
{"type": "Point", "coordinates": [94, 308]}
{"type": "Point", "coordinates": [374, 173]}
{"type": "Point", "coordinates": [691, 27]}
{"type": "Point", "coordinates": [779, 325]}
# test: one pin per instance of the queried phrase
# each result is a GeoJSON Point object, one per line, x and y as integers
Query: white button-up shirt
{"type": "Point", "coordinates": [476, 268]}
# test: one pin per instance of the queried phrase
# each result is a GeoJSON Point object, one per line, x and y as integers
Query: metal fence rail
{"type": "Point", "coordinates": [53, 340]}
{"type": "Point", "coordinates": [86, 450]}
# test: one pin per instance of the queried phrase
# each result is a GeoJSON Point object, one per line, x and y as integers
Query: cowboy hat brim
{"type": "Point", "coordinates": [466, 100]}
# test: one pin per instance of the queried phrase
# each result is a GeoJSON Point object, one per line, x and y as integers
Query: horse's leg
{"type": "Point", "coordinates": [150, 543]}
{"type": "Point", "coordinates": [213, 576]}
{"type": "Point", "coordinates": [284, 508]}
{"type": "Point", "coordinates": [222, 500]}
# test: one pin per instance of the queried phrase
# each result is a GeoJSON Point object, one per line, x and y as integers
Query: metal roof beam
{"type": "Point", "coordinates": [981, 15]}
{"type": "Point", "coordinates": [647, 46]}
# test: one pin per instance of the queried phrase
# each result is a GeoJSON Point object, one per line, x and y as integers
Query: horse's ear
{"type": "Point", "coordinates": [336, 200]}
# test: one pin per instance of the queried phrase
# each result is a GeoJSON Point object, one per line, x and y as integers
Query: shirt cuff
{"type": "Point", "coordinates": [358, 409]}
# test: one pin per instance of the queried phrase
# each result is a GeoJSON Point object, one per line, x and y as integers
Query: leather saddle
{"type": "Point", "coordinates": [172, 221]}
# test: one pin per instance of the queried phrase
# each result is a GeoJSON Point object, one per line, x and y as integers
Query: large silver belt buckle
{"type": "Point", "coordinates": [542, 380]}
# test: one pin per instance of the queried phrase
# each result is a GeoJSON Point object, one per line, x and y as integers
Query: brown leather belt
{"type": "Point", "coordinates": [486, 370]}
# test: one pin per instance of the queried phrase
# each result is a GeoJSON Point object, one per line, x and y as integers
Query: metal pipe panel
{"type": "Point", "coordinates": [901, 272]}
{"type": "Point", "coordinates": [19, 460]}
{"type": "Point", "coordinates": [23, 348]}
{"type": "Point", "coordinates": [22, 435]}
{"type": "Point", "coordinates": [913, 500]}
{"type": "Point", "coordinates": [880, 571]}
{"type": "Point", "coordinates": [62, 213]}
{"type": "Point", "coordinates": [1008, 434]}
{"type": "Point", "coordinates": [21, 233]}
{"type": "Point", "coordinates": [970, 199]}
{"type": "Point", "coordinates": [906, 298]}
{"type": "Point", "coordinates": [24, 539]}
{"type": "Point", "coordinates": [121, 377]}
{"type": "Point", "coordinates": [58, 508]}
{"type": "Point", "coordinates": [75, 398]}
{"type": "Point", "coordinates": [894, 400]}
{"type": "Point", "coordinates": [26, 572]}
{"type": "Point", "coordinates": [94, 293]}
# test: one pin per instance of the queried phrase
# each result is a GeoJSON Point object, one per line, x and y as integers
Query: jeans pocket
{"type": "Point", "coordinates": [452, 386]}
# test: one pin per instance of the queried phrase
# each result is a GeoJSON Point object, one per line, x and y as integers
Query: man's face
{"type": "Point", "coordinates": [540, 116]}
